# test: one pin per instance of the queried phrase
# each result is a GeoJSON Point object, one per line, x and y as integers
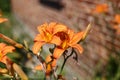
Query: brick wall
{"type": "Point", "coordinates": [76, 14]}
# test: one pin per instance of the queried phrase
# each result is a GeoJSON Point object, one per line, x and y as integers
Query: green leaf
{"type": "Point", "coordinates": [2, 65]}
{"type": "Point", "coordinates": [13, 56]}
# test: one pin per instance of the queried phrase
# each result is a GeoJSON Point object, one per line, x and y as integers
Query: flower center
{"type": "Point", "coordinates": [64, 44]}
{"type": "Point", "coordinates": [64, 38]}
{"type": "Point", "coordinates": [48, 37]}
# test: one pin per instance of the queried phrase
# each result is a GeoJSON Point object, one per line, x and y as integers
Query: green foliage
{"type": "Point", "coordinates": [5, 5]}
{"type": "Point", "coordinates": [15, 57]}
{"type": "Point", "coordinates": [112, 68]}
{"type": "Point", "coordinates": [111, 71]}
{"type": "Point", "coordinates": [39, 74]}
{"type": "Point", "coordinates": [2, 65]}
{"type": "Point", "coordinates": [7, 77]}
{"type": "Point", "coordinates": [6, 29]}
{"type": "Point", "coordinates": [14, 29]}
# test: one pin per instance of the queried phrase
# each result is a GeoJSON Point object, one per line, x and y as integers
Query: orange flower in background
{"type": "Point", "coordinates": [117, 18]}
{"type": "Point", "coordinates": [101, 8]}
{"type": "Point", "coordinates": [3, 19]}
{"type": "Point", "coordinates": [116, 23]}
{"type": "Point", "coordinates": [117, 28]}
{"type": "Point", "coordinates": [46, 35]}
{"type": "Point", "coordinates": [4, 49]}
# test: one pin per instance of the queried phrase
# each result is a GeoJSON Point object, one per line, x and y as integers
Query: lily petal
{"type": "Point", "coordinates": [54, 63]}
{"type": "Point", "coordinates": [78, 47]}
{"type": "Point", "coordinates": [5, 60]}
{"type": "Point", "coordinates": [56, 40]}
{"type": "Point", "coordinates": [59, 28]}
{"type": "Point", "coordinates": [39, 37]}
{"type": "Point", "coordinates": [3, 20]}
{"type": "Point", "coordinates": [2, 45]}
{"type": "Point", "coordinates": [8, 49]}
{"type": "Point", "coordinates": [58, 52]}
{"type": "Point", "coordinates": [36, 47]}
{"type": "Point", "coordinates": [77, 37]}
{"type": "Point", "coordinates": [51, 26]}
{"type": "Point", "coordinates": [49, 59]}
{"type": "Point", "coordinates": [70, 33]}
{"type": "Point", "coordinates": [42, 27]}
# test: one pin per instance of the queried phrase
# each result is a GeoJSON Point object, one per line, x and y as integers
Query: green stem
{"type": "Point", "coordinates": [65, 59]}
{"type": "Point", "coordinates": [76, 56]}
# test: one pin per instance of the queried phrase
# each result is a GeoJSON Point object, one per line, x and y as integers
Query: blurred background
{"type": "Point", "coordinates": [101, 57]}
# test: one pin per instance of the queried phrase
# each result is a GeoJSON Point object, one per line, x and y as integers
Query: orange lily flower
{"type": "Point", "coordinates": [50, 64]}
{"type": "Point", "coordinates": [70, 39]}
{"type": "Point", "coordinates": [46, 35]}
{"type": "Point", "coordinates": [117, 18]}
{"type": "Point", "coordinates": [4, 49]}
{"type": "Point", "coordinates": [101, 8]}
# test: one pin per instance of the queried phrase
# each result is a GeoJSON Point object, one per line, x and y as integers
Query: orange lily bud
{"type": "Point", "coordinates": [20, 72]}
{"type": "Point", "coordinates": [86, 31]}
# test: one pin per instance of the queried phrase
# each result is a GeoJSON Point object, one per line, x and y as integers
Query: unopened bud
{"type": "Point", "coordinates": [86, 31]}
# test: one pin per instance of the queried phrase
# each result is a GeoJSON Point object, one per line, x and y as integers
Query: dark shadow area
{"type": "Point", "coordinates": [5, 6]}
{"type": "Point", "coordinates": [55, 4]}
